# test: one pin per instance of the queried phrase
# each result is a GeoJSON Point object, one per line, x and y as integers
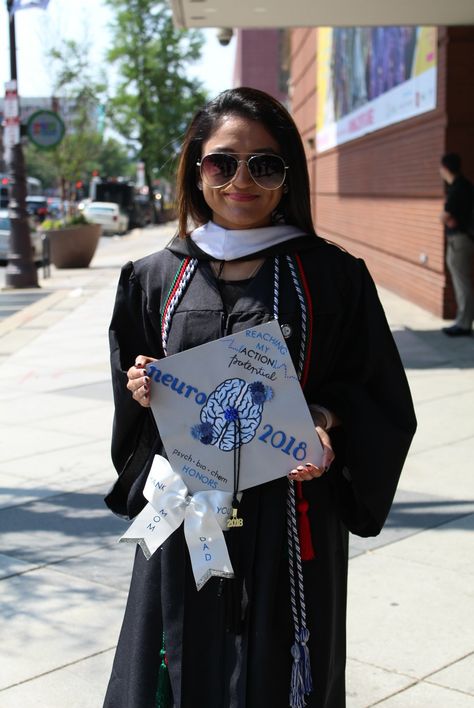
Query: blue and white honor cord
{"type": "Point", "coordinates": [301, 683]}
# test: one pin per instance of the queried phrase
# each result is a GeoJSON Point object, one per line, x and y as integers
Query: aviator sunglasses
{"type": "Point", "coordinates": [219, 168]}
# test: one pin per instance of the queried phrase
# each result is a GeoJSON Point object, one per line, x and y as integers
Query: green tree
{"type": "Point", "coordinates": [81, 94]}
{"type": "Point", "coordinates": [114, 161]}
{"type": "Point", "coordinates": [155, 98]}
{"type": "Point", "coordinates": [41, 164]}
{"type": "Point", "coordinates": [84, 148]}
{"type": "Point", "coordinates": [111, 159]}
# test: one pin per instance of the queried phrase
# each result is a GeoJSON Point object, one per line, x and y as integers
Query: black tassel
{"type": "Point", "coordinates": [233, 587]}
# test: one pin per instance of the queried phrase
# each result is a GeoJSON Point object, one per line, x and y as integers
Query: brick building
{"type": "Point", "coordinates": [261, 61]}
{"type": "Point", "coordinates": [380, 195]}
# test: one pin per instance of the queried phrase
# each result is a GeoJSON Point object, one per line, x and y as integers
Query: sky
{"type": "Point", "coordinates": [38, 31]}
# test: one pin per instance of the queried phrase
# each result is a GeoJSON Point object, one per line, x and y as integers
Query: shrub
{"type": "Point", "coordinates": [49, 224]}
{"type": "Point", "coordinates": [76, 220]}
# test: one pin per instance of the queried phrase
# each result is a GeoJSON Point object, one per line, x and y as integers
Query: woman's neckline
{"type": "Point", "coordinates": [235, 271]}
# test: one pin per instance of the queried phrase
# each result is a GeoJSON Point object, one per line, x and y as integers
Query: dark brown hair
{"type": "Point", "coordinates": [295, 205]}
{"type": "Point", "coordinates": [452, 162]}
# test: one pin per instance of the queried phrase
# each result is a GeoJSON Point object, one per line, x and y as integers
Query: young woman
{"type": "Point", "coordinates": [246, 252]}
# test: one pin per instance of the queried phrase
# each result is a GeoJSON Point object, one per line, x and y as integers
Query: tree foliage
{"type": "Point", "coordinates": [81, 93]}
{"type": "Point", "coordinates": [84, 149]}
{"type": "Point", "coordinates": [108, 157]}
{"type": "Point", "coordinates": [41, 164]}
{"type": "Point", "coordinates": [155, 98]}
{"type": "Point", "coordinates": [113, 160]}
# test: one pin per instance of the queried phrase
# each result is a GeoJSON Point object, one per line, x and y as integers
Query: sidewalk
{"type": "Point", "coordinates": [64, 579]}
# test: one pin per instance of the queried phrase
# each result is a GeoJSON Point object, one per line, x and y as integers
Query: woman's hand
{"type": "Point", "coordinates": [304, 473]}
{"type": "Point", "coordinates": [138, 381]}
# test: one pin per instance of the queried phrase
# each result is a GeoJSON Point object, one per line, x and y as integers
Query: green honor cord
{"type": "Point", "coordinates": [164, 698]}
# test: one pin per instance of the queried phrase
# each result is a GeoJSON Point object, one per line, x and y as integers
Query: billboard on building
{"type": "Point", "coordinates": [371, 77]}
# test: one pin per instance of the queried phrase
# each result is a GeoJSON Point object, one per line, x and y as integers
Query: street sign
{"type": "Point", "coordinates": [11, 123]}
{"type": "Point", "coordinates": [140, 174]}
{"type": "Point", "coordinates": [45, 129]}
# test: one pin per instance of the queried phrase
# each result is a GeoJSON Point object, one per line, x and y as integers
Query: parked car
{"type": "Point", "coordinates": [55, 208]}
{"type": "Point", "coordinates": [83, 203]}
{"type": "Point", "coordinates": [108, 215]}
{"type": "Point", "coordinates": [143, 210]}
{"type": "Point", "coordinates": [37, 207]}
{"type": "Point", "coordinates": [5, 227]}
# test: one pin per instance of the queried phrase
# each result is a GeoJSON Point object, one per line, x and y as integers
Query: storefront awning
{"type": "Point", "coordinates": [313, 13]}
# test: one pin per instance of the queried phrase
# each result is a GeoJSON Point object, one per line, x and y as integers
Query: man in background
{"type": "Point", "coordinates": [456, 218]}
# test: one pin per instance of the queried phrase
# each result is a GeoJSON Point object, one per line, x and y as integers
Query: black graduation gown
{"type": "Point", "coordinates": [355, 370]}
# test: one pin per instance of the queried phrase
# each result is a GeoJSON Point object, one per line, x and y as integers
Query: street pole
{"type": "Point", "coordinates": [21, 270]}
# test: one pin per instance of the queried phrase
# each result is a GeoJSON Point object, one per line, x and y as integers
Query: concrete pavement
{"type": "Point", "coordinates": [64, 579]}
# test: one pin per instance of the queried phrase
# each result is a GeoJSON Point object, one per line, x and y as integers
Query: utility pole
{"type": "Point", "coordinates": [21, 270]}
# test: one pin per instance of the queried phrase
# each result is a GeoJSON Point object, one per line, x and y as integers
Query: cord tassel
{"type": "Point", "coordinates": [304, 529]}
{"type": "Point", "coordinates": [307, 678]}
{"type": "Point", "coordinates": [297, 685]}
{"type": "Point", "coordinates": [301, 681]}
{"type": "Point", "coordinates": [163, 694]}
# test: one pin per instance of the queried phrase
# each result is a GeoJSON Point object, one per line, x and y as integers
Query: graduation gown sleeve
{"type": "Point", "coordinates": [135, 439]}
{"type": "Point", "coordinates": [370, 394]}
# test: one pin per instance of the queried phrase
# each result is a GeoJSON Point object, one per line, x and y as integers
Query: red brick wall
{"type": "Point", "coordinates": [460, 95]}
{"type": "Point", "coordinates": [380, 196]}
{"type": "Point", "coordinates": [258, 60]}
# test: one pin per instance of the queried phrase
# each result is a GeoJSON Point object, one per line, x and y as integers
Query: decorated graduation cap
{"type": "Point", "coordinates": [238, 395]}
{"type": "Point", "coordinates": [231, 415]}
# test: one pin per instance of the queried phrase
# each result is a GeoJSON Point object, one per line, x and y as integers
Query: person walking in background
{"type": "Point", "coordinates": [456, 218]}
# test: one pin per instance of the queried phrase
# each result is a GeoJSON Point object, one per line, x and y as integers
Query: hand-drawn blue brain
{"type": "Point", "coordinates": [232, 414]}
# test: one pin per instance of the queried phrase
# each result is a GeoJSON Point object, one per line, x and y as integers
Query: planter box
{"type": "Point", "coordinates": [73, 246]}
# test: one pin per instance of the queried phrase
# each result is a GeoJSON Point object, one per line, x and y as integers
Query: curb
{"type": "Point", "coordinates": [28, 313]}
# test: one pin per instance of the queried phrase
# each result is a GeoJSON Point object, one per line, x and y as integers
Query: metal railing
{"type": "Point", "coordinates": [46, 255]}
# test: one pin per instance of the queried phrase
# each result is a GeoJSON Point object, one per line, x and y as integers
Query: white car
{"type": "Point", "coordinates": [36, 241]}
{"type": "Point", "coordinates": [108, 215]}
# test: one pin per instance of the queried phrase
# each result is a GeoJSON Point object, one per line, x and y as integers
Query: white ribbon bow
{"type": "Point", "coordinates": [205, 516]}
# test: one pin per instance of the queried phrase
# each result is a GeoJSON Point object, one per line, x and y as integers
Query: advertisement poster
{"type": "Point", "coordinates": [372, 77]}
{"type": "Point", "coordinates": [233, 406]}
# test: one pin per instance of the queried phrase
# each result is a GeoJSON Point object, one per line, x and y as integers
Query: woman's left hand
{"type": "Point", "coordinates": [304, 473]}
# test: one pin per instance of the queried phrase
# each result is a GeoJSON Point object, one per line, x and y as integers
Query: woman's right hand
{"type": "Point", "coordinates": [138, 381]}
